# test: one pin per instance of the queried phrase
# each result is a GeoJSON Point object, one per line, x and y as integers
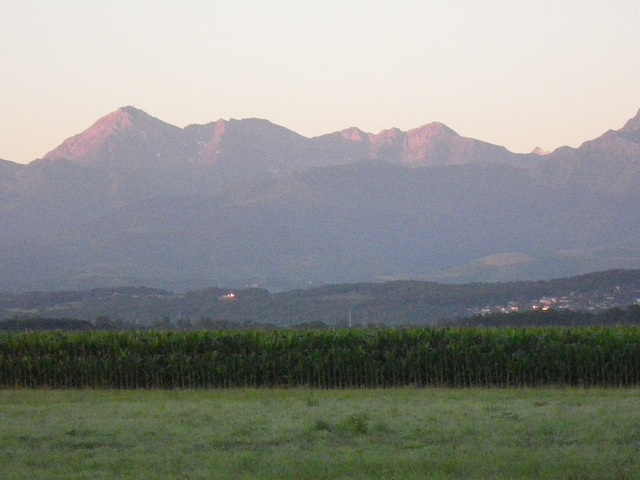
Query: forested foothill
{"type": "Point", "coordinates": [361, 335]}
{"type": "Point", "coordinates": [603, 298]}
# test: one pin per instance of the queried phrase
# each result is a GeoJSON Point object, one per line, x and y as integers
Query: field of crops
{"type": "Point", "coordinates": [446, 357]}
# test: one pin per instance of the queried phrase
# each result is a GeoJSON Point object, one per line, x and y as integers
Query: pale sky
{"type": "Point", "coordinates": [517, 73]}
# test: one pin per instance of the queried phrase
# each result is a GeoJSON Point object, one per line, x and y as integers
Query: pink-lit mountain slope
{"type": "Point", "coordinates": [431, 145]}
{"type": "Point", "coordinates": [126, 135]}
{"type": "Point", "coordinates": [129, 136]}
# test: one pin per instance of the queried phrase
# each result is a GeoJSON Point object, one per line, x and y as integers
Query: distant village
{"type": "Point", "coordinates": [596, 301]}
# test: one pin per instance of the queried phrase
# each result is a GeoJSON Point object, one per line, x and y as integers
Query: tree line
{"type": "Point", "coordinates": [629, 316]}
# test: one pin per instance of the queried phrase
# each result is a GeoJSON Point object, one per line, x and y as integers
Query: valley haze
{"type": "Point", "coordinates": [133, 200]}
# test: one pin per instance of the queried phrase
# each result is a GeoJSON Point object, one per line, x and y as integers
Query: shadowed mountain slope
{"type": "Point", "coordinates": [134, 200]}
{"type": "Point", "coordinates": [610, 162]}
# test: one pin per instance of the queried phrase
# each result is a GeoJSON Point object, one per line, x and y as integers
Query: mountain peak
{"type": "Point", "coordinates": [540, 152]}
{"type": "Point", "coordinates": [633, 125]}
{"type": "Point", "coordinates": [119, 119]}
{"type": "Point", "coordinates": [122, 118]}
{"type": "Point", "coordinates": [433, 129]}
{"type": "Point", "coordinates": [84, 144]}
{"type": "Point", "coordinates": [353, 133]}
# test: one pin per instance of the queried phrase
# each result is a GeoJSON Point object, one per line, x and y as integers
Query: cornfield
{"type": "Point", "coordinates": [426, 357]}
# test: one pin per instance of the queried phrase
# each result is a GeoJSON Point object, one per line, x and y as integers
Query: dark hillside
{"type": "Point", "coordinates": [391, 303]}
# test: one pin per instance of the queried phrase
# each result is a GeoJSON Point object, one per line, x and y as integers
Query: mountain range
{"type": "Point", "coordinates": [133, 200]}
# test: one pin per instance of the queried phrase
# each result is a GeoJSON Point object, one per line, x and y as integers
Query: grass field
{"type": "Point", "coordinates": [320, 434]}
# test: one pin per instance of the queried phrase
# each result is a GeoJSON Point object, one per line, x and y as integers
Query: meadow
{"type": "Point", "coordinates": [300, 433]}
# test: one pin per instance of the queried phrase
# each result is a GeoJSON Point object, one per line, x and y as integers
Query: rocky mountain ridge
{"type": "Point", "coordinates": [132, 133]}
{"type": "Point", "coordinates": [136, 201]}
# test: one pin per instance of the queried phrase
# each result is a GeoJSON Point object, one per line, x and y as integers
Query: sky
{"type": "Point", "coordinates": [517, 73]}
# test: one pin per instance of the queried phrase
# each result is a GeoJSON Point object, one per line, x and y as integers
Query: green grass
{"type": "Point", "coordinates": [320, 434]}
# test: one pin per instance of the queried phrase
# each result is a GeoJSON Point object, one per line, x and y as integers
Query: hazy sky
{"type": "Point", "coordinates": [517, 73]}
